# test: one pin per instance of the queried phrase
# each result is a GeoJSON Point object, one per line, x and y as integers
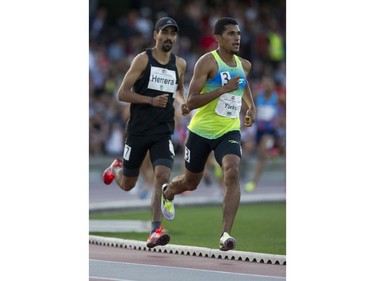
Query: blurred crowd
{"type": "Point", "coordinates": [118, 33]}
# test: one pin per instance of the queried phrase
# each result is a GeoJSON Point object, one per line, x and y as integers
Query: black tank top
{"type": "Point", "coordinates": [157, 79]}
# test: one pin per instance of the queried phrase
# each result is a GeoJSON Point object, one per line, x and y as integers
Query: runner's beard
{"type": "Point", "coordinates": [167, 48]}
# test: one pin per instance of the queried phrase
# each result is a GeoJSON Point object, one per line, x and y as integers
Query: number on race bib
{"type": "Point", "coordinates": [127, 151]}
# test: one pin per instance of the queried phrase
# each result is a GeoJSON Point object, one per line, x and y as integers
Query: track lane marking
{"type": "Point", "coordinates": [189, 269]}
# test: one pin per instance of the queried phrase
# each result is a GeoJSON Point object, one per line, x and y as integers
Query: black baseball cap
{"type": "Point", "coordinates": [164, 22]}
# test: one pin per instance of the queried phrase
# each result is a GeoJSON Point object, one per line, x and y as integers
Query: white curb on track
{"type": "Point", "coordinates": [190, 251]}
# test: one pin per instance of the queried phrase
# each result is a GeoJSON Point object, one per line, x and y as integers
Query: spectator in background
{"type": "Point", "coordinates": [276, 52]}
{"type": "Point", "coordinates": [154, 80]}
{"type": "Point", "coordinates": [98, 130]}
{"type": "Point", "coordinates": [98, 24]}
{"type": "Point", "coordinates": [115, 143]}
{"type": "Point", "coordinates": [267, 104]}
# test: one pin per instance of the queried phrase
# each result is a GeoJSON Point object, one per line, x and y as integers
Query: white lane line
{"type": "Point", "coordinates": [112, 279]}
{"type": "Point", "coordinates": [189, 269]}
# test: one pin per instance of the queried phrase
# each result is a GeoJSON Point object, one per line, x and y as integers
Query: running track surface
{"type": "Point", "coordinates": [119, 264]}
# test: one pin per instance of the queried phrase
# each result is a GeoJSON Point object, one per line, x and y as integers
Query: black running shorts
{"type": "Point", "coordinates": [197, 149]}
{"type": "Point", "coordinates": [136, 147]}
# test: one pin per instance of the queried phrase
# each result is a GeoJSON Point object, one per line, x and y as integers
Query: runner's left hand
{"type": "Point", "coordinates": [249, 118]}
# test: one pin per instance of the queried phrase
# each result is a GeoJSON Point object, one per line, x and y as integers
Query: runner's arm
{"type": "Point", "coordinates": [135, 71]}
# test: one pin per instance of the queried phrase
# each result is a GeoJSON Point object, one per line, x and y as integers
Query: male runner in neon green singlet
{"type": "Point", "coordinates": [217, 89]}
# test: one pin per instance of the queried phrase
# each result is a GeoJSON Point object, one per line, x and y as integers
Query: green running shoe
{"type": "Point", "coordinates": [227, 242]}
{"type": "Point", "coordinates": [250, 186]}
{"type": "Point", "coordinates": [167, 207]}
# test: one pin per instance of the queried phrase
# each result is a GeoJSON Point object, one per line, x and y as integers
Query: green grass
{"type": "Point", "coordinates": [257, 228]}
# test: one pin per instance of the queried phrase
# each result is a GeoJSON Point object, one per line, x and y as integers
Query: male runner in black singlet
{"type": "Point", "coordinates": [155, 78]}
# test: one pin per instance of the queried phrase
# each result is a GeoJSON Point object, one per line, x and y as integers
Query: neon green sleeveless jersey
{"type": "Point", "coordinates": [221, 115]}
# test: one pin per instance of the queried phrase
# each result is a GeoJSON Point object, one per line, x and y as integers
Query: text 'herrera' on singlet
{"type": "Point", "coordinates": [157, 79]}
{"type": "Point", "coordinates": [222, 114]}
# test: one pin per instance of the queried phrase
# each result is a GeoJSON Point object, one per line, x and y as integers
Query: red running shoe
{"type": "Point", "coordinates": [157, 238]}
{"type": "Point", "coordinates": [108, 175]}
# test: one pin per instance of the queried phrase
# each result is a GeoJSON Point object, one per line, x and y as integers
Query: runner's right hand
{"type": "Point", "coordinates": [160, 101]}
{"type": "Point", "coordinates": [232, 84]}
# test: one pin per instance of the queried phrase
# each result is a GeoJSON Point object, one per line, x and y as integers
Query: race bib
{"type": "Point", "coordinates": [229, 106]}
{"type": "Point", "coordinates": [162, 79]}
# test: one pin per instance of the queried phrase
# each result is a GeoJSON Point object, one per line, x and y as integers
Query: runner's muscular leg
{"type": "Point", "coordinates": [125, 183]}
{"type": "Point", "coordinates": [186, 182]}
{"type": "Point", "coordinates": [232, 193]}
{"type": "Point", "coordinates": [161, 176]}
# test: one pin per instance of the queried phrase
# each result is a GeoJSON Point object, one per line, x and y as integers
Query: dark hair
{"type": "Point", "coordinates": [221, 23]}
